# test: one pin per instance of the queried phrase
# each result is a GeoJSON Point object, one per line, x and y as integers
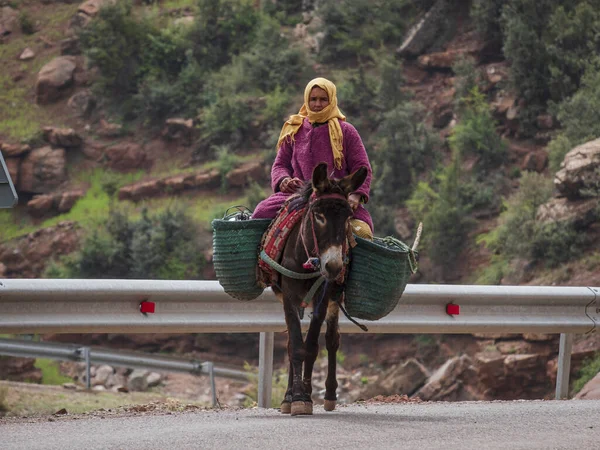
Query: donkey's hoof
{"type": "Point", "coordinates": [285, 408]}
{"type": "Point", "coordinates": [301, 408]}
{"type": "Point", "coordinates": [329, 405]}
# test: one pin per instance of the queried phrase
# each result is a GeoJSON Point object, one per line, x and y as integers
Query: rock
{"type": "Point", "coordinates": [70, 46]}
{"type": "Point", "coordinates": [27, 54]}
{"type": "Point", "coordinates": [535, 161]}
{"type": "Point", "coordinates": [496, 73]}
{"type": "Point", "coordinates": [102, 374]}
{"type": "Point", "coordinates": [540, 337]}
{"type": "Point", "coordinates": [545, 121]}
{"type": "Point", "coordinates": [204, 180]}
{"type": "Point", "coordinates": [591, 390]}
{"type": "Point", "coordinates": [185, 21]}
{"type": "Point", "coordinates": [175, 183]}
{"type": "Point", "coordinates": [154, 379]}
{"type": "Point", "coordinates": [142, 190]}
{"type": "Point", "coordinates": [126, 157]}
{"type": "Point", "coordinates": [19, 369]}
{"type": "Point", "coordinates": [8, 20]}
{"type": "Point", "coordinates": [12, 150]}
{"type": "Point", "coordinates": [450, 382]}
{"type": "Point", "coordinates": [582, 212]}
{"type": "Point", "coordinates": [120, 388]}
{"type": "Point", "coordinates": [42, 170]}
{"type": "Point", "coordinates": [404, 379]}
{"type": "Point", "coordinates": [28, 255]}
{"type": "Point", "coordinates": [441, 60]}
{"type": "Point", "coordinates": [92, 7]}
{"type": "Point", "coordinates": [109, 129]}
{"type": "Point", "coordinates": [181, 130]}
{"type": "Point", "coordinates": [98, 388]}
{"type": "Point", "coordinates": [13, 165]}
{"type": "Point", "coordinates": [82, 103]}
{"type": "Point", "coordinates": [503, 103]}
{"type": "Point", "coordinates": [67, 200]}
{"type": "Point", "coordinates": [62, 137]}
{"type": "Point", "coordinates": [137, 380]}
{"type": "Point", "coordinates": [2, 270]}
{"type": "Point", "coordinates": [40, 205]}
{"type": "Point", "coordinates": [78, 22]}
{"type": "Point", "coordinates": [579, 170]}
{"type": "Point", "coordinates": [54, 79]}
{"type": "Point", "coordinates": [243, 175]}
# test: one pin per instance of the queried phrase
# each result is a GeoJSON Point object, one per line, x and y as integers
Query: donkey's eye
{"type": "Point", "coordinates": [320, 218]}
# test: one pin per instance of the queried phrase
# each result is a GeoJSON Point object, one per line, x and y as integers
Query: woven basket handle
{"type": "Point", "coordinates": [246, 212]}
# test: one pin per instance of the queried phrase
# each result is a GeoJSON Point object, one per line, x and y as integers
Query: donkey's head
{"type": "Point", "coordinates": [328, 217]}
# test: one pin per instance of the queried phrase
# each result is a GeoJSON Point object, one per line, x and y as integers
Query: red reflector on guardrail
{"type": "Point", "coordinates": [147, 307]}
{"type": "Point", "coordinates": [452, 309]}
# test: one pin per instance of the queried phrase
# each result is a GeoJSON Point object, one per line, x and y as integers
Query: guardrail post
{"type": "Point", "coordinates": [86, 357]}
{"type": "Point", "coordinates": [265, 369]}
{"type": "Point", "coordinates": [564, 365]}
{"type": "Point", "coordinates": [211, 373]}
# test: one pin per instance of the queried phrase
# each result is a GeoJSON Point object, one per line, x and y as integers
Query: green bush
{"type": "Point", "coordinates": [476, 134]}
{"type": "Point", "coordinates": [579, 116]}
{"type": "Point", "coordinates": [272, 62]}
{"type": "Point", "coordinates": [353, 27]}
{"type": "Point", "coordinates": [516, 233]}
{"type": "Point", "coordinates": [467, 77]}
{"type": "Point", "coordinates": [162, 246]}
{"type": "Point", "coordinates": [116, 43]}
{"type": "Point", "coordinates": [222, 29]}
{"type": "Point", "coordinates": [26, 24]}
{"type": "Point", "coordinates": [589, 369]}
{"type": "Point", "coordinates": [447, 221]}
{"type": "Point", "coordinates": [556, 242]}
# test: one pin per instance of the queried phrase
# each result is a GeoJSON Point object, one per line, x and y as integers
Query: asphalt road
{"type": "Point", "coordinates": [569, 424]}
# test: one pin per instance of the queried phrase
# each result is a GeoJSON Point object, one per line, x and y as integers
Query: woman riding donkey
{"type": "Point", "coordinates": [319, 146]}
{"type": "Point", "coordinates": [318, 133]}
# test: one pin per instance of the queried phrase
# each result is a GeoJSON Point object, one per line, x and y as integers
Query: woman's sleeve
{"type": "Point", "coordinates": [356, 157]}
{"type": "Point", "coordinates": [282, 167]}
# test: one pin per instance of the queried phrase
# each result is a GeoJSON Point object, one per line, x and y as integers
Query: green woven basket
{"type": "Point", "coordinates": [235, 255]}
{"type": "Point", "coordinates": [379, 272]}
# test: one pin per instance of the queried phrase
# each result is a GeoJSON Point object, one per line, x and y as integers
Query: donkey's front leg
{"type": "Point", "coordinates": [312, 351]}
{"type": "Point", "coordinates": [332, 342]}
{"type": "Point", "coordinates": [296, 353]}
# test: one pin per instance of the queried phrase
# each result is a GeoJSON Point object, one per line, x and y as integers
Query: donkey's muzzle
{"type": "Point", "coordinates": [332, 262]}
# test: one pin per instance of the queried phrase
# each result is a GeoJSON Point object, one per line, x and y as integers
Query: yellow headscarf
{"type": "Point", "coordinates": [331, 114]}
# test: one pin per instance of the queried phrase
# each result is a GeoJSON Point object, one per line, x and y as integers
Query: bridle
{"type": "Point", "coordinates": [314, 262]}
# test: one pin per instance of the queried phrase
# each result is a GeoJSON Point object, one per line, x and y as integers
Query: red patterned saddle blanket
{"type": "Point", "coordinates": [274, 239]}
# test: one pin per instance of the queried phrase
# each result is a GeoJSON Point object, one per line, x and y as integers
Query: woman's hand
{"type": "Point", "coordinates": [354, 200]}
{"type": "Point", "coordinates": [289, 185]}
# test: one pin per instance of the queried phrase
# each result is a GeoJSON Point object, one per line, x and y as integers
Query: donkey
{"type": "Point", "coordinates": [321, 236]}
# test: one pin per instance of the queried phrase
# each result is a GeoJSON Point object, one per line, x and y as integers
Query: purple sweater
{"type": "Point", "coordinates": [312, 146]}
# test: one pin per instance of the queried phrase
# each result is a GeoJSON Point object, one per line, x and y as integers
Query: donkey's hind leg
{"type": "Point", "coordinates": [332, 342]}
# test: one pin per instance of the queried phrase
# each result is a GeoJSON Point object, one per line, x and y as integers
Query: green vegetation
{"type": "Point", "coordinates": [51, 372]}
{"type": "Point", "coordinates": [164, 246]}
{"type": "Point", "coordinates": [3, 402]}
{"type": "Point", "coordinates": [280, 380]}
{"type": "Point", "coordinates": [20, 401]}
{"type": "Point", "coordinates": [589, 369]}
{"type": "Point", "coordinates": [550, 45]}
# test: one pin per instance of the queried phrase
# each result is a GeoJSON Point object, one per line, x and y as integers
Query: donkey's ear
{"type": "Point", "coordinates": [353, 181]}
{"type": "Point", "coordinates": [320, 181]}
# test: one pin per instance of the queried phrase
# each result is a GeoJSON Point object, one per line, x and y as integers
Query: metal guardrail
{"type": "Point", "coordinates": [108, 306]}
{"type": "Point", "coordinates": [136, 360]}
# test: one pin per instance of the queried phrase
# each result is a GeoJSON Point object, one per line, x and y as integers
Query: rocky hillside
{"type": "Point", "coordinates": [75, 157]}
